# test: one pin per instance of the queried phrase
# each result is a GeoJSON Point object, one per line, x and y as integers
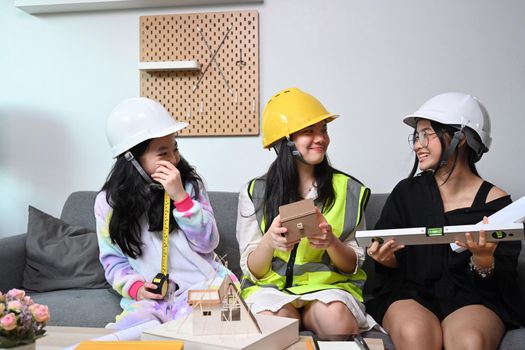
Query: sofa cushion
{"type": "Point", "coordinates": [513, 340]}
{"type": "Point", "coordinates": [224, 206]}
{"type": "Point", "coordinates": [60, 256]}
{"type": "Point", "coordinates": [80, 307]}
{"type": "Point", "coordinates": [78, 209]}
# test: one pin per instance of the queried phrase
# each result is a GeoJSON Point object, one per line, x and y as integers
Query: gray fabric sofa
{"type": "Point", "coordinates": [97, 307]}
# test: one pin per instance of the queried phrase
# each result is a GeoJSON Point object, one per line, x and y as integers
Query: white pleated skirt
{"type": "Point", "coordinates": [271, 299]}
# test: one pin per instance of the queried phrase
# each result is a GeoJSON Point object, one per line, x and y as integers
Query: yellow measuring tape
{"type": "Point", "coordinates": [165, 234]}
{"type": "Point", "coordinates": [161, 279]}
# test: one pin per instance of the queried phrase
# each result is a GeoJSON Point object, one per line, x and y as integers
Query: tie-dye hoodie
{"type": "Point", "coordinates": [191, 260]}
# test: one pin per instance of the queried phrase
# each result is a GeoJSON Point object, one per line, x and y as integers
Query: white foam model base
{"type": "Point", "coordinates": [277, 333]}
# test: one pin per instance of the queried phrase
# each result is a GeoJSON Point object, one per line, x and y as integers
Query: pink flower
{"type": "Point", "coordinates": [16, 294]}
{"type": "Point", "coordinates": [14, 305]}
{"type": "Point", "coordinates": [40, 312]}
{"type": "Point", "coordinates": [8, 322]}
{"type": "Point", "coordinates": [21, 320]}
{"type": "Point", "coordinates": [28, 300]}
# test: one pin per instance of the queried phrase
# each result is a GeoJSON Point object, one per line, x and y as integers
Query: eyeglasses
{"type": "Point", "coordinates": [423, 137]}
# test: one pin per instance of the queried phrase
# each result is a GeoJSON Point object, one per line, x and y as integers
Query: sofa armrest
{"type": "Point", "coordinates": [12, 261]}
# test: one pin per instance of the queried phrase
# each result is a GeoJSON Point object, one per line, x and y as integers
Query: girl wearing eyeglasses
{"type": "Point", "coordinates": [458, 296]}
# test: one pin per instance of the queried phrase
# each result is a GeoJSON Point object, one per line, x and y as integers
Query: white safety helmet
{"type": "Point", "coordinates": [138, 119]}
{"type": "Point", "coordinates": [461, 111]}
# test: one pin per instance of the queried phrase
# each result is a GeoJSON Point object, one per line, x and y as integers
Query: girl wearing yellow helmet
{"type": "Point", "coordinates": [316, 279]}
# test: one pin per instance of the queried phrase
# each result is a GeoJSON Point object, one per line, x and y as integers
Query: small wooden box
{"type": "Point", "coordinates": [300, 219]}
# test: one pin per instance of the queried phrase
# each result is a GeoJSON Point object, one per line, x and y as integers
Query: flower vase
{"type": "Point", "coordinates": [29, 346]}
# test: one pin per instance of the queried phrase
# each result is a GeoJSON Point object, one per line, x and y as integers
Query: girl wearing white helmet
{"type": "Point", "coordinates": [436, 296]}
{"type": "Point", "coordinates": [317, 278]}
{"type": "Point", "coordinates": [129, 214]}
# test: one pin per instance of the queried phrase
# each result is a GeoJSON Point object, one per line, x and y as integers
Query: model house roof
{"type": "Point", "coordinates": [206, 297]}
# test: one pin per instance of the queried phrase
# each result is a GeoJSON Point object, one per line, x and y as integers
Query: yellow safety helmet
{"type": "Point", "coordinates": [289, 111]}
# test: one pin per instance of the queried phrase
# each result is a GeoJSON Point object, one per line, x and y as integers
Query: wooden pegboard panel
{"type": "Point", "coordinates": [226, 101]}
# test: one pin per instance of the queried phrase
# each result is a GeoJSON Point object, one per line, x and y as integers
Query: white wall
{"type": "Point", "coordinates": [370, 61]}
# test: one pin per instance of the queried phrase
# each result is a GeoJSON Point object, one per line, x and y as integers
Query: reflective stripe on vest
{"type": "Point", "coordinates": [312, 269]}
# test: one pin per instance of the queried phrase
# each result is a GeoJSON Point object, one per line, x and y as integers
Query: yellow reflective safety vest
{"type": "Point", "coordinates": [304, 269]}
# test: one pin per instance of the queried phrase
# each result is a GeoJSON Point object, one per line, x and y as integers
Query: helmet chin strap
{"type": "Point", "coordinates": [295, 152]}
{"type": "Point", "coordinates": [456, 139]}
{"type": "Point", "coordinates": [130, 158]}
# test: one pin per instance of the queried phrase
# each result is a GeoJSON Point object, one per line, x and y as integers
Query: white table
{"type": "Point", "coordinates": [61, 337]}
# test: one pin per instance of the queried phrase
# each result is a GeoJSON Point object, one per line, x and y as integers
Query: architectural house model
{"type": "Point", "coordinates": [220, 319]}
{"type": "Point", "coordinates": [221, 311]}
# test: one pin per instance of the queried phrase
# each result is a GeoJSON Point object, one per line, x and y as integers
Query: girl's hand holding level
{"type": "Point", "coordinates": [482, 251]}
{"type": "Point", "coordinates": [384, 254]}
{"type": "Point", "coordinates": [144, 293]}
{"type": "Point", "coordinates": [276, 236]}
{"type": "Point", "coordinates": [168, 176]}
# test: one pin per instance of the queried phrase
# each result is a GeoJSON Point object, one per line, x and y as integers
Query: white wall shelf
{"type": "Point", "coordinates": [169, 66]}
{"type": "Point", "coordinates": [57, 6]}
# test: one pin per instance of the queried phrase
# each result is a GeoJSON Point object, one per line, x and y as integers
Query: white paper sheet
{"type": "Point", "coordinates": [337, 345]}
{"type": "Point", "coordinates": [514, 212]}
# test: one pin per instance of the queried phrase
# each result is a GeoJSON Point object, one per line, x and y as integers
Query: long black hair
{"type": "Point", "coordinates": [282, 183]}
{"type": "Point", "coordinates": [441, 130]}
{"type": "Point", "coordinates": [131, 197]}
